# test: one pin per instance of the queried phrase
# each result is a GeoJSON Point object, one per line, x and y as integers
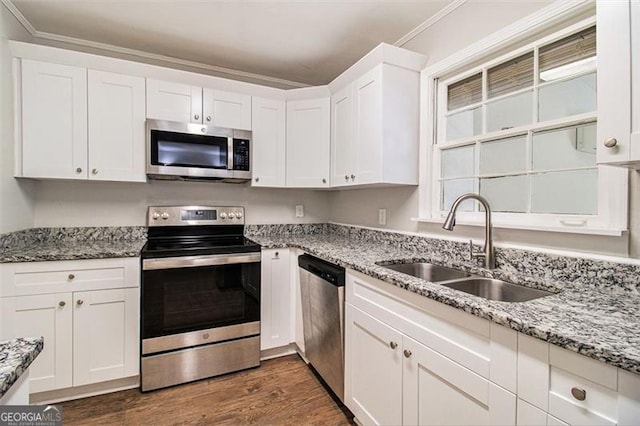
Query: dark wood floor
{"type": "Point", "coordinates": [282, 391]}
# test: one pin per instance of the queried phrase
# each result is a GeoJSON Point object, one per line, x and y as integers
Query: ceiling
{"type": "Point", "coordinates": [309, 42]}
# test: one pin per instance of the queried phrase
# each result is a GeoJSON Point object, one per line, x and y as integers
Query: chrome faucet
{"type": "Point", "coordinates": [487, 251]}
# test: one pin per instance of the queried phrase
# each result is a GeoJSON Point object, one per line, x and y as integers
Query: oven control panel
{"type": "Point", "coordinates": [194, 215]}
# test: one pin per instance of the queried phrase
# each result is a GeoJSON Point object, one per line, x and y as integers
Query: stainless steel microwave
{"type": "Point", "coordinates": [196, 151]}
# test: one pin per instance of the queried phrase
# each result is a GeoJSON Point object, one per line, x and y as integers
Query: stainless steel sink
{"type": "Point", "coordinates": [427, 271]}
{"type": "Point", "coordinates": [496, 290]}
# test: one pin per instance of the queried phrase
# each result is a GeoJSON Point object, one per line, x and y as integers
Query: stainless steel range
{"type": "Point", "coordinates": [200, 303]}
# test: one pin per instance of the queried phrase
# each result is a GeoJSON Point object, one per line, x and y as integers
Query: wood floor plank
{"type": "Point", "coordinates": [282, 391]}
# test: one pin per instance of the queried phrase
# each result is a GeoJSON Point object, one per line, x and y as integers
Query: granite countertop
{"type": "Point", "coordinates": [601, 322]}
{"type": "Point", "coordinates": [16, 355]}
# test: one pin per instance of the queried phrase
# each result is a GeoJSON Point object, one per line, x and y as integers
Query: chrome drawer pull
{"type": "Point", "coordinates": [407, 353]}
{"type": "Point", "coordinates": [393, 345]}
{"type": "Point", "coordinates": [578, 393]}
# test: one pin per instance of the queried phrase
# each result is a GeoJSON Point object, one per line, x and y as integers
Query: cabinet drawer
{"type": "Point", "coordinates": [30, 278]}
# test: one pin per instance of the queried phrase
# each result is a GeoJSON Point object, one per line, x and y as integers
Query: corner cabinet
{"type": "Point", "coordinates": [375, 128]}
{"type": "Point", "coordinates": [619, 83]}
{"type": "Point", "coordinates": [401, 369]}
{"type": "Point", "coordinates": [86, 310]}
{"type": "Point", "coordinates": [193, 104]}
{"type": "Point", "coordinates": [268, 142]}
{"type": "Point", "coordinates": [79, 124]}
{"type": "Point", "coordinates": [308, 143]}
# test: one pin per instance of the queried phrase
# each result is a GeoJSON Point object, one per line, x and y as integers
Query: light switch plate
{"type": "Point", "coordinates": [300, 211]}
{"type": "Point", "coordinates": [382, 216]}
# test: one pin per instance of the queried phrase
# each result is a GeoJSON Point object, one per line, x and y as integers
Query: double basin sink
{"type": "Point", "coordinates": [487, 288]}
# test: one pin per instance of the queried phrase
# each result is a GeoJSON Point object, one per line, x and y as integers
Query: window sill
{"type": "Point", "coordinates": [588, 230]}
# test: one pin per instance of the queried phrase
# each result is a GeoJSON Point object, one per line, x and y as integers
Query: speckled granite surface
{"type": "Point", "coordinates": [41, 244]}
{"type": "Point", "coordinates": [595, 313]}
{"type": "Point", "coordinates": [16, 355]}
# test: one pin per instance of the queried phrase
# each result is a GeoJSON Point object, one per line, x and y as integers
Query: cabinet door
{"type": "Point", "coordinates": [105, 335]}
{"type": "Point", "coordinates": [116, 127]}
{"type": "Point", "coordinates": [54, 120]}
{"type": "Point", "coordinates": [368, 127]}
{"type": "Point", "coordinates": [174, 101]}
{"type": "Point", "coordinates": [439, 391]}
{"type": "Point", "coordinates": [269, 142]}
{"type": "Point", "coordinates": [614, 83]}
{"type": "Point", "coordinates": [49, 316]}
{"type": "Point", "coordinates": [342, 138]}
{"type": "Point", "coordinates": [227, 109]}
{"type": "Point", "coordinates": [275, 301]}
{"type": "Point", "coordinates": [308, 143]}
{"type": "Point", "coordinates": [373, 369]}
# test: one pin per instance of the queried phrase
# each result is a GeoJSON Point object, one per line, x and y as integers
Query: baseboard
{"type": "Point", "coordinates": [290, 349]}
{"type": "Point", "coordinates": [67, 394]}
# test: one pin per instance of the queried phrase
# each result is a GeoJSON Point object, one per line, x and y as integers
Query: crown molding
{"type": "Point", "coordinates": [146, 55]}
{"type": "Point", "coordinates": [429, 22]}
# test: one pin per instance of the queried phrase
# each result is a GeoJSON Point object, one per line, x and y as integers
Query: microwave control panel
{"type": "Point", "coordinates": [241, 154]}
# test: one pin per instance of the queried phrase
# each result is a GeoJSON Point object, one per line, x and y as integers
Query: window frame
{"type": "Point", "coordinates": [611, 218]}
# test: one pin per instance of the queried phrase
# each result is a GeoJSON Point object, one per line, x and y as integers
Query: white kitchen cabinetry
{"type": "Point", "coordinates": [275, 300]}
{"type": "Point", "coordinates": [54, 121]}
{"type": "Point", "coordinates": [567, 388]}
{"type": "Point", "coordinates": [87, 311]}
{"type": "Point", "coordinates": [308, 143]}
{"type": "Point", "coordinates": [268, 142]}
{"type": "Point", "coordinates": [619, 83]}
{"type": "Point", "coordinates": [401, 369]}
{"type": "Point", "coordinates": [80, 124]}
{"type": "Point", "coordinates": [375, 126]}
{"type": "Point", "coordinates": [116, 127]}
{"type": "Point", "coordinates": [193, 104]}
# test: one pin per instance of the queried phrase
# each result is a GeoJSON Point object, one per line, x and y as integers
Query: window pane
{"type": "Point", "coordinates": [566, 98]}
{"type": "Point", "coordinates": [573, 192]}
{"type": "Point", "coordinates": [458, 162]}
{"type": "Point", "coordinates": [511, 76]}
{"type": "Point", "coordinates": [565, 148]}
{"type": "Point", "coordinates": [464, 92]}
{"type": "Point", "coordinates": [572, 49]}
{"type": "Point", "coordinates": [464, 124]}
{"type": "Point", "coordinates": [452, 189]}
{"type": "Point", "coordinates": [506, 194]}
{"type": "Point", "coordinates": [503, 156]}
{"type": "Point", "coordinates": [510, 112]}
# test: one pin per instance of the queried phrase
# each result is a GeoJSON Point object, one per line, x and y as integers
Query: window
{"type": "Point", "coordinates": [520, 130]}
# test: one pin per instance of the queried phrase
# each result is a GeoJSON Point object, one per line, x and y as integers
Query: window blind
{"type": "Point", "coordinates": [464, 92]}
{"type": "Point", "coordinates": [510, 76]}
{"type": "Point", "coordinates": [570, 49]}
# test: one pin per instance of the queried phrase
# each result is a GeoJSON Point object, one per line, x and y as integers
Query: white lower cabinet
{"type": "Point", "coordinates": [89, 319]}
{"type": "Point", "coordinates": [412, 364]}
{"type": "Point", "coordinates": [275, 300]}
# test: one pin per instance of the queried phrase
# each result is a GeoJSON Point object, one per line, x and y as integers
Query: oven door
{"type": "Point", "coordinates": [195, 300]}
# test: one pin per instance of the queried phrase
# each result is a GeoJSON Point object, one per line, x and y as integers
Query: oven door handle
{"type": "Point", "coordinates": [194, 261]}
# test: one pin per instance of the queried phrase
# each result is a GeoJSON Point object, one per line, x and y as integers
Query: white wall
{"type": "Point", "coordinates": [16, 196]}
{"type": "Point", "coordinates": [61, 203]}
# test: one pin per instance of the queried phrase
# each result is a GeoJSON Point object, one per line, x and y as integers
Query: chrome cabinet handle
{"type": "Point", "coordinates": [208, 118]}
{"type": "Point", "coordinates": [257, 179]}
{"type": "Point", "coordinates": [94, 171]}
{"type": "Point", "coordinates": [353, 177]}
{"type": "Point", "coordinates": [610, 142]}
{"type": "Point", "coordinates": [62, 303]}
{"type": "Point", "coordinates": [393, 345]}
{"type": "Point", "coordinates": [407, 353]}
{"type": "Point", "coordinates": [80, 302]}
{"type": "Point", "coordinates": [71, 276]}
{"type": "Point", "coordinates": [579, 393]}
{"type": "Point", "coordinates": [79, 170]}
{"type": "Point", "coordinates": [196, 117]}
{"type": "Point", "coordinates": [277, 254]}
{"type": "Point", "coordinates": [346, 177]}
{"type": "Point", "coordinates": [324, 180]}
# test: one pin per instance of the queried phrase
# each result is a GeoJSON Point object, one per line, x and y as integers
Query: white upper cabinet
{"type": "Point", "coordinates": [269, 142]}
{"type": "Point", "coordinates": [619, 83]}
{"type": "Point", "coordinates": [375, 120]}
{"type": "Point", "coordinates": [308, 143]}
{"type": "Point", "coordinates": [193, 104]}
{"type": "Point", "coordinates": [54, 121]}
{"type": "Point", "coordinates": [116, 127]}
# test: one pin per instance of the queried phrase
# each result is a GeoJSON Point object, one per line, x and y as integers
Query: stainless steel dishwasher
{"type": "Point", "coordinates": [322, 293]}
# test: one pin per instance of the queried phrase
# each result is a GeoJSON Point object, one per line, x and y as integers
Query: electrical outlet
{"type": "Point", "coordinates": [300, 211]}
{"type": "Point", "coordinates": [382, 216]}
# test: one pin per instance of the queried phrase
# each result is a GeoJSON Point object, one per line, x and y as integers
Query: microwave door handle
{"type": "Point", "coordinates": [230, 153]}
{"type": "Point", "coordinates": [195, 261]}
